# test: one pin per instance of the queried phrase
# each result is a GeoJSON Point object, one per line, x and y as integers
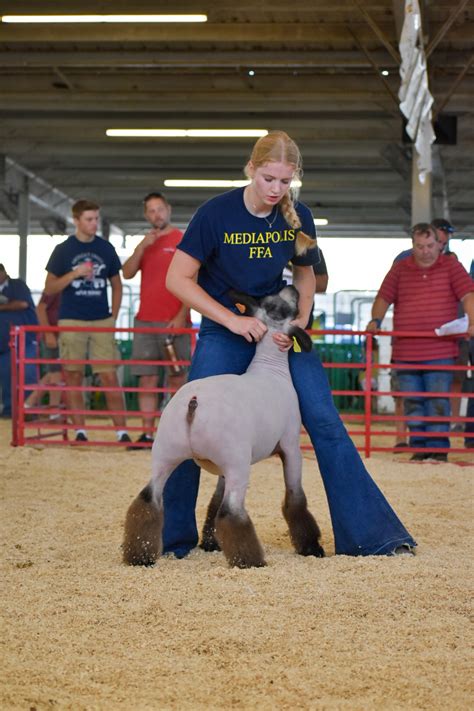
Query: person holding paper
{"type": "Point", "coordinates": [425, 289]}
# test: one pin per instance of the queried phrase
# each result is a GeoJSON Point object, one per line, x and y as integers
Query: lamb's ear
{"type": "Point", "coordinates": [302, 338]}
{"type": "Point", "coordinates": [251, 304]}
{"type": "Point", "coordinates": [290, 294]}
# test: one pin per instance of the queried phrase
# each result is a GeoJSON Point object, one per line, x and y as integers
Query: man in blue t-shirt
{"type": "Point", "coordinates": [16, 309]}
{"type": "Point", "coordinates": [80, 269]}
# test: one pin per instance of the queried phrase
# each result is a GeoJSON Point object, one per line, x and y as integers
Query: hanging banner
{"type": "Point", "coordinates": [414, 94]}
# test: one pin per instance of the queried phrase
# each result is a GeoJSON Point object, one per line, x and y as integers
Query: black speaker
{"type": "Point", "coordinates": [445, 128]}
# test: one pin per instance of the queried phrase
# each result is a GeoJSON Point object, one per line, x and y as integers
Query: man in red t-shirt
{"type": "Point", "coordinates": [425, 289]}
{"type": "Point", "coordinates": [158, 308]}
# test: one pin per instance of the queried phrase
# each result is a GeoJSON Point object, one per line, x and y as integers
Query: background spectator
{"type": "Point", "coordinates": [47, 312]}
{"type": "Point", "coordinates": [16, 309]}
{"type": "Point", "coordinates": [443, 231]}
{"type": "Point", "coordinates": [322, 278]}
{"type": "Point", "coordinates": [425, 289]}
{"type": "Point", "coordinates": [158, 308]}
{"type": "Point", "coordinates": [79, 269]}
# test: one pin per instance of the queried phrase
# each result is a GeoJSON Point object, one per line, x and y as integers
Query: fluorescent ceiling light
{"type": "Point", "coordinates": [146, 132]}
{"type": "Point", "coordinates": [320, 221]}
{"type": "Point", "coordinates": [205, 183]}
{"type": "Point", "coordinates": [28, 19]}
{"type": "Point", "coordinates": [185, 183]}
{"type": "Point", "coordinates": [186, 133]}
{"type": "Point", "coordinates": [226, 132]}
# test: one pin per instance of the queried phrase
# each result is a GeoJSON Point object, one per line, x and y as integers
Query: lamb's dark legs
{"type": "Point", "coordinates": [304, 531]}
{"type": "Point", "coordinates": [238, 539]}
{"type": "Point", "coordinates": [208, 538]}
{"type": "Point", "coordinates": [143, 527]}
{"type": "Point", "coordinates": [235, 531]}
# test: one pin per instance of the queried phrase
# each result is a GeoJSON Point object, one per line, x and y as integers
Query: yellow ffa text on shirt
{"type": "Point", "coordinates": [257, 240]}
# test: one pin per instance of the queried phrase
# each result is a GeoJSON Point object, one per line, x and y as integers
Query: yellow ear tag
{"type": "Point", "coordinates": [241, 308]}
{"type": "Point", "coordinates": [296, 345]}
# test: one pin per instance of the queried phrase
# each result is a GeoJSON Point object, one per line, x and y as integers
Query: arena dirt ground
{"type": "Point", "coordinates": [82, 631]}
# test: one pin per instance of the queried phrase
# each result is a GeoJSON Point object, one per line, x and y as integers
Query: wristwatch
{"type": "Point", "coordinates": [377, 321]}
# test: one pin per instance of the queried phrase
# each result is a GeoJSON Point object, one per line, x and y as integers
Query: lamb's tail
{"type": "Point", "coordinates": [192, 405]}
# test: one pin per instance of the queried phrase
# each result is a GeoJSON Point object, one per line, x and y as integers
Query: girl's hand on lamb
{"type": "Point", "coordinates": [283, 341]}
{"type": "Point", "coordinates": [251, 328]}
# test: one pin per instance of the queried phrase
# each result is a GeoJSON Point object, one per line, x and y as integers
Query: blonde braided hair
{"type": "Point", "coordinates": [277, 146]}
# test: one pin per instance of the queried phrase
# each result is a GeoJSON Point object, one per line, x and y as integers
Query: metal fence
{"type": "Point", "coordinates": [353, 373]}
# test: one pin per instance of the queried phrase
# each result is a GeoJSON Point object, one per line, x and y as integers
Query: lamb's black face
{"type": "Point", "coordinates": [277, 309]}
{"type": "Point", "coordinates": [273, 310]}
{"type": "Point", "coordinates": [282, 306]}
{"type": "Point", "coordinates": [276, 312]}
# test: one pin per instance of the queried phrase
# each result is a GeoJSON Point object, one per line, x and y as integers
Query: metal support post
{"type": "Point", "coordinates": [420, 193]}
{"type": "Point", "coordinates": [23, 225]}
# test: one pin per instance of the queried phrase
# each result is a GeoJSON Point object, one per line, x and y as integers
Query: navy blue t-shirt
{"type": "Point", "coordinates": [240, 251]}
{"type": "Point", "coordinates": [85, 299]}
{"type": "Point", "coordinates": [403, 255]}
{"type": "Point", "coordinates": [17, 290]}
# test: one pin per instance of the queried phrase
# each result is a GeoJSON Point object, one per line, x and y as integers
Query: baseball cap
{"type": "Point", "coordinates": [441, 224]}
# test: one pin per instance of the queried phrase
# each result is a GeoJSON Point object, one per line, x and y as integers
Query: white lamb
{"type": "Point", "coordinates": [226, 423]}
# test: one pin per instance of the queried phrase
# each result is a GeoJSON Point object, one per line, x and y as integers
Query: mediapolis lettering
{"type": "Point", "coordinates": [257, 240]}
{"type": "Point", "coordinates": [259, 237]}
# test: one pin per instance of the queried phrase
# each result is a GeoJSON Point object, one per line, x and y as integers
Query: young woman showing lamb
{"type": "Point", "coordinates": [226, 423]}
{"type": "Point", "coordinates": [243, 239]}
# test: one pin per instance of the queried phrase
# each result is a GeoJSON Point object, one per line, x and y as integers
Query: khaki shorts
{"type": "Point", "coordinates": [95, 346]}
{"type": "Point", "coordinates": [151, 346]}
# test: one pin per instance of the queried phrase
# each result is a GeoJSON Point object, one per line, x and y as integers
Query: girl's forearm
{"type": "Point", "coordinates": [192, 295]}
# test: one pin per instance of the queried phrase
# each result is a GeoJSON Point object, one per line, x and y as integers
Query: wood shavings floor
{"type": "Point", "coordinates": [82, 631]}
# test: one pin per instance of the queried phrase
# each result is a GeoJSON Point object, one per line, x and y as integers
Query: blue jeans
{"type": "Point", "coordinates": [363, 521]}
{"type": "Point", "coordinates": [6, 375]}
{"type": "Point", "coordinates": [416, 407]}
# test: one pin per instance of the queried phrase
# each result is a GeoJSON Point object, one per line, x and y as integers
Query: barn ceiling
{"type": "Point", "coordinates": [317, 74]}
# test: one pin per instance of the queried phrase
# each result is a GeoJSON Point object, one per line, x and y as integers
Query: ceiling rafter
{"type": "Point", "coordinates": [379, 33]}
{"type": "Point", "coordinates": [316, 67]}
{"type": "Point", "coordinates": [220, 33]}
